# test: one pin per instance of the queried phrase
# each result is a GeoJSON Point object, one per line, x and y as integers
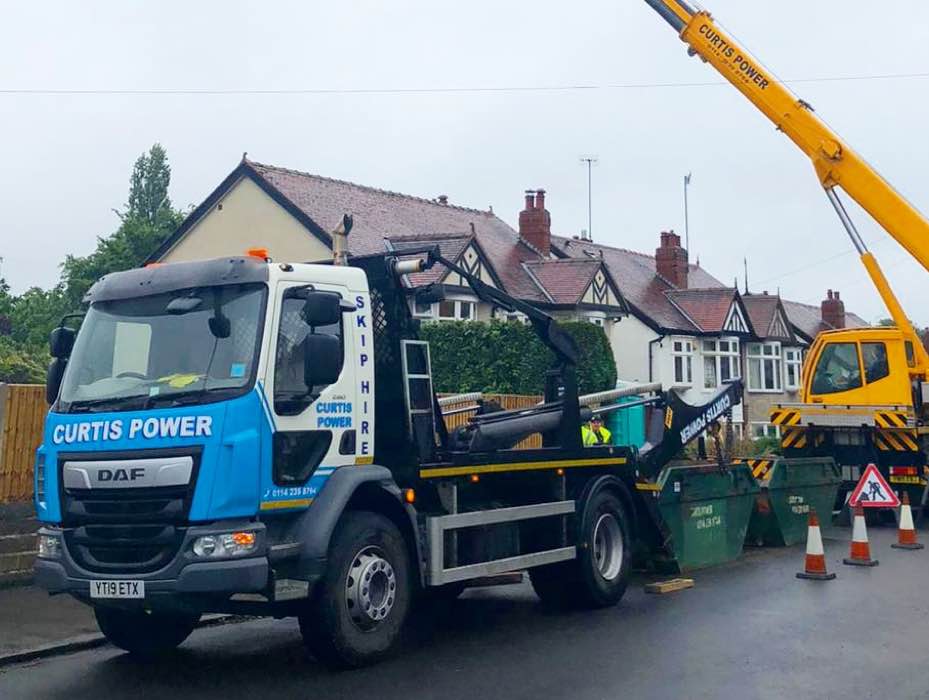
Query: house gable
{"type": "Point", "coordinates": [779, 327]}
{"type": "Point", "coordinates": [735, 320]}
{"type": "Point", "coordinates": [601, 291]}
{"type": "Point", "coordinates": [255, 211]}
{"type": "Point", "coordinates": [241, 216]}
{"type": "Point", "coordinates": [474, 261]}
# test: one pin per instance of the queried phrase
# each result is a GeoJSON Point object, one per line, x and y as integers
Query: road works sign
{"type": "Point", "coordinates": [873, 491]}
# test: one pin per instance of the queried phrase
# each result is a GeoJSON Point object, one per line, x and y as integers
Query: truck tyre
{"type": "Point", "coordinates": [600, 574]}
{"type": "Point", "coordinates": [143, 633]}
{"type": "Point", "coordinates": [360, 606]}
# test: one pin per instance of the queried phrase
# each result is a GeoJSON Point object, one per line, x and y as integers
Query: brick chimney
{"type": "Point", "coordinates": [671, 259]}
{"type": "Point", "coordinates": [833, 310]}
{"type": "Point", "coordinates": [535, 223]}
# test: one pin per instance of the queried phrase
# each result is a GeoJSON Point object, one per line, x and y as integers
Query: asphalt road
{"type": "Point", "coordinates": [747, 630]}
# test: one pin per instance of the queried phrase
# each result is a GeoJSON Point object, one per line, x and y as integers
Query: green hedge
{"type": "Point", "coordinates": [508, 358]}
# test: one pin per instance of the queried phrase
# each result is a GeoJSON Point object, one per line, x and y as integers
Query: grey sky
{"type": "Point", "coordinates": [66, 159]}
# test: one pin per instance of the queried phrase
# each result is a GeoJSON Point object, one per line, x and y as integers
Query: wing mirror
{"type": "Point", "coordinates": [322, 359]}
{"type": "Point", "coordinates": [324, 308]}
{"type": "Point", "coordinates": [61, 341]}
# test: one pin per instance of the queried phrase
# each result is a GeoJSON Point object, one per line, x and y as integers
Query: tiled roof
{"type": "Point", "coordinates": [808, 318]}
{"type": "Point", "coordinates": [706, 308]}
{"type": "Point", "coordinates": [565, 280]}
{"type": "Point", "coordinates": [637, 279]}
{"type": "Point", "coordinates": [450, 247]}
{"type": "Point", "coordinates": [380, 214]}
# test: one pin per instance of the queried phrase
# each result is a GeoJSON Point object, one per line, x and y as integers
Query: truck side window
{"type": "Point", "coordinates": [291, 394]}
{"type": "Point", "coordinates": [837, 369]}
{"type": "Point", "coordinates": [874, 358]}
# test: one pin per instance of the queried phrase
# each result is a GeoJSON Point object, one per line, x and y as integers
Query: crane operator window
{"type": "Point", "coordinates": [837, 369]}
{"type": "Point", "coordinates": [874, 358]}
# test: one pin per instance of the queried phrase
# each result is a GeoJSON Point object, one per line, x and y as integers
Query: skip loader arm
{"type": "Point", "coordinates": [836, 164]}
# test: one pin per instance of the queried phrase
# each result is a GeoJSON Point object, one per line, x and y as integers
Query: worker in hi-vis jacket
{"type": "Point", "coordinates": [594, 433]}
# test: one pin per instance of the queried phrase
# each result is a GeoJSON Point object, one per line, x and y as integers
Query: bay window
{"type": "Point", "coordinates": [720, 362]}
{"type": "Point", "coordinates": [682, 352]}
{"type": "Point", "coordinates": [793, 359]}
{"type": "Point", "coordinates": [764, 367]}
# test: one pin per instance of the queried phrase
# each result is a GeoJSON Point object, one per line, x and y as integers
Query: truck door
{"type": "Point", "coordinates": [313, 426]}
{"type": "Point", "coordinates": [837, 371]}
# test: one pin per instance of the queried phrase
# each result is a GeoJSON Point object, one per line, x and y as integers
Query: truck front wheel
{"type": "Point", "coordinates": [144, 633]}
{"type": "Point", "coordinates": [361, 604]}
{"type": "Point", "coordinates": [599, 575]}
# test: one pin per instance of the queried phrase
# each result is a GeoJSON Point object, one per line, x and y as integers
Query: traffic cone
{"type": "Point", "coordinates": [861, 550]}
{"type": "Point", "coordinates": [906, 535]}
{"type": "Point", "coordinates": [815, 567]}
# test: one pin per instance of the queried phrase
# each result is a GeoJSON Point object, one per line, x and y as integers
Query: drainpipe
{"type": "Point", "coordinates": [651, 348]}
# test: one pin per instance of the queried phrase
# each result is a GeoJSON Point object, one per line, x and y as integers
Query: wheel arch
{"type": "Point", "coordinates": [616, 486]}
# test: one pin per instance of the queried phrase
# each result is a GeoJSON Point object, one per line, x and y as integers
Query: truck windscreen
{"type": "Point", "coordinates": [184, 347]}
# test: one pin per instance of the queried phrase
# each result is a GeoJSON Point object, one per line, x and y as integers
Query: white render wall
{"type": "Point", "coordinates": [630, 340]}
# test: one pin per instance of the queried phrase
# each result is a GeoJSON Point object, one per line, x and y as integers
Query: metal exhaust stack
{"type": "Point", "coordinates": [340, 240]}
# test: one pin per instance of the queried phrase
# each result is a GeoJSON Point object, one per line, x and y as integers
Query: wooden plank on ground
{"type": "Point", "coordinates": [662, 587]}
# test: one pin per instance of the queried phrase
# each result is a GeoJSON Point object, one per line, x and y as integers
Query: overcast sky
{"type": "Point", "coordinates": [66, 159]}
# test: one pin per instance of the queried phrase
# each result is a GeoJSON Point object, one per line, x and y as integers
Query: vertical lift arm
{"type": "Point", "coordinates": [836, 164]}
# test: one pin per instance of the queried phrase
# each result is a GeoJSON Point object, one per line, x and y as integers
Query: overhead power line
{"type": "Point", "coordinates": [434, 90]}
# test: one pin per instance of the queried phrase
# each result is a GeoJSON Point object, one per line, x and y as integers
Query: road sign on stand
{"type": "Point", "coordinates": [873, 491]}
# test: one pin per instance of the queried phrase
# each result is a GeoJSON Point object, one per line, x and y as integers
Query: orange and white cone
{"type": "Point", "coordinates": [906, 535]}
{"type": "Point", "coordinates": [815, 567]}
{"type": "Point", "coordinates": [861, 549]}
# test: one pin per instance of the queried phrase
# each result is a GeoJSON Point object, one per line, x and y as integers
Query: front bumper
{"type": "Point", "coordinates": [184, 574]}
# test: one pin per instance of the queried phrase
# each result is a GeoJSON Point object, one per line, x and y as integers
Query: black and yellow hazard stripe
{"type": "Point", "coordinates": [896, 440]}
{"type": "Point", "coordinates": [793, 438]}
{"type": "Point", "coordinates": [785, 416]}
{"type": "Point", "coordinates": [760, 467]}
{"type": "Point", "coordinates": [890, 419]}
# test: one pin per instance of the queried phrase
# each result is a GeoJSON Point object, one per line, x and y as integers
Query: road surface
{"type": "Point", "coordinates": [747, 630]}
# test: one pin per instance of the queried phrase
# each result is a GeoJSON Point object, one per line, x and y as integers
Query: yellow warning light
{"type": "Point", "coordinates": [409, 495]}
{"type": "Point", "coordinates": [559, 472]}
{"type": "Point", "coordinates": [475, 478]}
{"type": "Point", "coordinates": [261, 253]}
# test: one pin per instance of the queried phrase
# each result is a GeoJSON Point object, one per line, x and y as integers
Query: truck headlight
{"type": "Point", "coordinates": [49, 547]}
{"type": "Point", "coordinates": [228, 544]}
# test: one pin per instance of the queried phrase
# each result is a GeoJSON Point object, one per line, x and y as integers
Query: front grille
{"type": "Point", "coordinates": [124, 548]}
{"type": "Point", "coordinates": [131, 530]}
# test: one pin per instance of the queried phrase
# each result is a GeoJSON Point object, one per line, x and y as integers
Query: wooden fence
{"type": "Point", "coordinates": [22, 414]}
{"type": "Point", "coordinates": [507, 402]}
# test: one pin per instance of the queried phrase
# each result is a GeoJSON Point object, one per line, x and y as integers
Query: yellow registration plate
{"type": "Point", "coordinates": [908, 480]}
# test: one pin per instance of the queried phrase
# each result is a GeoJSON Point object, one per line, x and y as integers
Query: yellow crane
{"type": "Point", "coordinates": [864, 396]}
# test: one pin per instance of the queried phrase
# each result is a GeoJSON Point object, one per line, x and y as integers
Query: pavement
{"type": "Point", "coordinates": [747, 630]}
{"type": "Point", "coordinates": [34, 622]}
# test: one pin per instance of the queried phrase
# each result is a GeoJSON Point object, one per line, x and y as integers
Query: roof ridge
{"type": "Point", "coordinates": [563, 261]}
{"type": "Point", "coordinates": [429, 236]}
{"type": "Point", "coordinates": [702, 289]}
{"type": "Point", "coordinates": [378, 190]}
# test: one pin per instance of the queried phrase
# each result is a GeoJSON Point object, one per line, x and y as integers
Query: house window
{"type": "Point", "coordinates": [422, 309]}
{"type": "Point", "coordinates": [720, 362]}
{"type": "Point", "coordinates": [765, 430]}
{"type": "Point", "coordinates": [793, 358]}
{"type": "Point", "coordinates": [683, 353]}
{"type": "Point", "coordinates": [764, 367]}
{"type": "Point", "coordinates": [457, 310]}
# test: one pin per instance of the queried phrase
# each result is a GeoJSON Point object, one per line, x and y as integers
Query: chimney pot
{"type": "Point", "coordinates": [443, 199]}
{"type": "Point", "coordinates": [671, 260]}
{"type": "Point", "coordinates": [832, 310]}
{"type": "Point", "coordinates": [535, 223]}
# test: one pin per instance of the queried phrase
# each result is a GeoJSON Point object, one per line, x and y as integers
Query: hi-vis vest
{"type": "Point", "coordinates": [590, 438]}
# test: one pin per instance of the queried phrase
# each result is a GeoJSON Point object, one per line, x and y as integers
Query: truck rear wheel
{"type": "Point", "coordinates": [600, 574]}
{"type": "Point", "coordinates": [144, 633]}
{"type": "Point", "coordinates": [361, 604]}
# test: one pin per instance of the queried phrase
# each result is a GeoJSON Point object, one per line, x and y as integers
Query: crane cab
{"type": "Point", "coordinates": [860, 367]}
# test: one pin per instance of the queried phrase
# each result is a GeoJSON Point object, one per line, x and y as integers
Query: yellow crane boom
{"type": "Point", "coordinates": [836, 164]}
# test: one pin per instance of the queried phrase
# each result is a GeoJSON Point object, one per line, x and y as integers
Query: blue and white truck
{"type": "Point", "coordinates": [246, 436]}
